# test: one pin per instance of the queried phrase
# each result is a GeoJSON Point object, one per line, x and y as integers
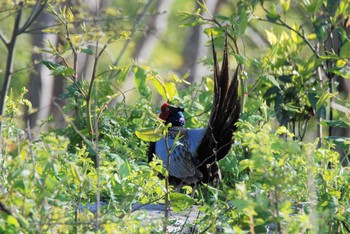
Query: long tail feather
{"type": "Point", "coordinates": [224, 114]}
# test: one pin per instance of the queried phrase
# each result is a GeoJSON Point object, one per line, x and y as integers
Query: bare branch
{"type": "Point", "coordinates": [33, 15]}
{"type": "Point", "coordinates": [3, 39]}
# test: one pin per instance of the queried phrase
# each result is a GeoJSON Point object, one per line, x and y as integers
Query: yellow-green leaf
{"type": "Point", "coordinates": [149, 135]}
{"type": "Point", "coordinates": [210, 83]}
{"type": "Point", "coordinates": [12, 221]}
{"type": "Point", "coordinates": [171, 90]}
{"type": "Point", "coordinates": [340, 63]}
{"type": "Point", "coordinates": [271, 37]}
{"type": "Point", "coordinates": [285, 4]}
{"type": "Point", "coordinates": [311, 36]}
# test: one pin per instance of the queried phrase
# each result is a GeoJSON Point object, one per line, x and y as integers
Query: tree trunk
{"type": "Point", "coordinates": [41, 85]}
{"type": "Point", "coordinates": [195, 48]}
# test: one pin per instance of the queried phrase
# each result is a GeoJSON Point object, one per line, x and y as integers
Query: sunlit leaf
{"type": "Point", "coordinates": [271, 37]}
{"type": "Point", "coordinates": [324, 99]}
{"type": "Point", "coordinates": [213, 31]}
{"type": "Point", "coordinates": [125, 34]}
{"type": "Point", "coordinates": [311, 36]}
{"type": "Point", "coordinates": [342, 142]}
{"type": "Point", "coordinates": [171, 90]}
{"type": "Point", "coordinates": [210, 83]}
{"type": "Point", "coordinates": [282, 130]}
{"type": "Point", "coordinates": [12, 221]}
{"type": "Point", "coordinates": [75, 174]}
{"type": "Point", "coordinates": [69, 15]}
{"type": "Point", "coordinates": [149, 135]}
{"type": "Point", "coordinates": [285, 4]}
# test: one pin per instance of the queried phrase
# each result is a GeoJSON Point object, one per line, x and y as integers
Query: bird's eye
{"type": "Point", "coordinates": [167, 109]}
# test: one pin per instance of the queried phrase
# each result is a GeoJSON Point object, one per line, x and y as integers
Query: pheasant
{"type": "Point", "coordinates": [195, 156]}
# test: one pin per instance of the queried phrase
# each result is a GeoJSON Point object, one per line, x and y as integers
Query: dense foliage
{"type": "Point", "coordinates": [277, 173]}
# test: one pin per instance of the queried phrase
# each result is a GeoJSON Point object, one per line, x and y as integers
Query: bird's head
{"type": "Point", "coordinates": [172, 114]}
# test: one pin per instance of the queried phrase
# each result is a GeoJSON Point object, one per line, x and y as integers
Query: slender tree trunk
{"type": "Point", "coordinates": [41, 85]}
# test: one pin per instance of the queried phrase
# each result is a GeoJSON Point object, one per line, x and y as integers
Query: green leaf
{"type": "Point", "coordinates": [180, 201]}
{"type": "Point", "coordinates": [342, 142]}
{"type": "Point", "coordinates": [192, 19]}
{"type": "Point", "coordinates": [271, 91]}
{"type": "Point", "coordinates": [246, 163]}
{"type": "Point", "coordinates": [345, 51]}
{"type": "Point", "coordinates": [87, 51]}
{"type": "Point", "coordinates": [340, 123]}
{"type": "Point", "coordinates": [324, 100]}
{"type": "Point", "coordinates": [125, 169]}
{"type": "Point", "coordinates": [222, 17]}
{"type": "Point", "coordinates": [290, 107]}
{"type": "Point", "coordinates": [58, 69]}
{"type": "Point", "coordinates": [320, 30]}
{"type": "Point", "coordinates": [271, 79]}
{"type": "Point", "coordinates": [121, 72]}
{"type": "Point", "coordinates": [151, 135]}
{"type": "Point", "coordinates": [241, 59]}
{"type": "Point", "coordinates": [313, 100]}
{"type": "Point", "coordinates": [272, 15]}
{"type": "Point", "coordinates": [140, 81]}
{"type": "Point", "coordinates": [243, 22]}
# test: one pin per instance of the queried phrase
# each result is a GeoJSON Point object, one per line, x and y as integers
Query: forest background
{"type": "Point", "coordinates": [82, 81]}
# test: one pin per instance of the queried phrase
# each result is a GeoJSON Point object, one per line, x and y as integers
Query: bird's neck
{"type": "Point", "coordinates": [176, 128]}
{"type": "Point", "coordinates": [173, 131]}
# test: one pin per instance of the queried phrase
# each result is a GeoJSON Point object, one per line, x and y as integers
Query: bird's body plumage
{"type": "Point", "coordinates": [194, 156]}
{"type": "Point", "coordinates": [183, 153]}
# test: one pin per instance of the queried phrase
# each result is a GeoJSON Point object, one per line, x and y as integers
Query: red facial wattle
{"type": "Point", "coordinates": [165, 111]}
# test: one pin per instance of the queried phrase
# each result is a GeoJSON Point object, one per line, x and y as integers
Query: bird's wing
{"type": "Point", "coordinates": [217, 140]}
{"type": "Point", "coordinates": [181, 164]}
